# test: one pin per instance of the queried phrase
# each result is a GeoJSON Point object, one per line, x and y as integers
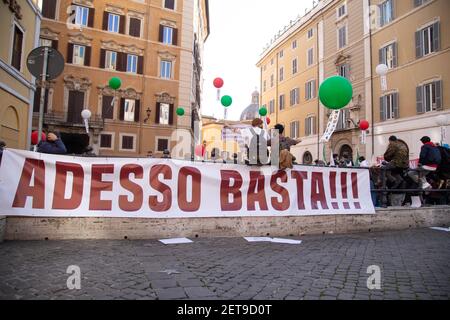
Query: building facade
{"type": "Point", "coordinates": [150, 45]}
{"type": "Point", "coordinates": [351, 38]}
{"type": "Point", "coordinates": [20, 22]}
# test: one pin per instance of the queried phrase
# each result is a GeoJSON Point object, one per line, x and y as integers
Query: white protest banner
{"type": "Point", "coordinates": [35, 184]}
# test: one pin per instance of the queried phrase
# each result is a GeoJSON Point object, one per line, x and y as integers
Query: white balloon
{"type": "Point", "coordinates": [86, 114]}
{"type": "Point", "coordinates": [382, 69]}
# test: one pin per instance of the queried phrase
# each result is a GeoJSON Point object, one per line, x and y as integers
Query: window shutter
{"type": "Point", "coordinates": [140, 66]}
{"type": "Point", "coordinates": [137, 110]}
{"type": "Point", "coordinates": [122, 25]}
{"type": "Point", "coordinates": [419, 100]}
{"type": "Point", "coordinates": [417, 3]}
{"type": "Point", "coordinates": [419, 44]}
{"type": "Point", "coordinates": [161, 33]}
{"type": "Point", "coordinates": [171, 114]}
{"type": "Point", "coordinates": [438, 86]}
{"type": "Point", "coordinates": [306, 91]}
{"type": "Point", "coordinates": [436, 37]}
{"type": "Point", "coordinates": [381, 56]}
{"type": "Point", "coordinates": [121, 61]}
{"type": "Point", "coordinates": [306, 127]}
{"type": "Point", "coordinates": [102, 58]}
{"type": "Point", "coordinates": [382, 109]}
{"type": "Point", "coordinates": [122, 109]}
{"type": "Point", "coordinates": [135, 27]}
{"type": "Point", "coordinates": [396, 106]}
{"type": "Point", "coordinates": [91, 17]}
{"type": "Point", "coordinates": [105, 20]}
{"type": "Point", "coordinates": [70, 53]}
{"type": "Point", "coordinates": [175, 37]}
{"type": "Point", "coordinates": [314, 125]}
{"type": "Point", "coordinates": [158, 112]}
{"type": "Point", "coordinates": [392, 10]}
{"type": "Point", "coordinates": [87, 56]}
{"type": "Point", "coordinates": [55, 44]}
{"type": "Point", "coordinates": [49, 9]}
{"type": "Point", "coordinates": [313, 89]}
{"type": "Point", "coordinates": [395, 54]}
{"type": "Point", "coordinates": [107, 109]}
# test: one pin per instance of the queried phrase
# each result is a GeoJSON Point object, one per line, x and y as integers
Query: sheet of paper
{"type": "Point", "coordinates": [258, 239]}
{"type": "Point", "coordinates": [441, 229]}
{"type": "Point", "coordinates": [415, 202]}
{"type": "Point", "coordinates": [176, 241]}
{"type": "Point", "coordinates": [288, 241]}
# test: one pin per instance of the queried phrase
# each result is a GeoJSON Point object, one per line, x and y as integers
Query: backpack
{"type": "Point", "coordinates": [255, 151]}
{"type": "Point", "coordinates": [444, 166]}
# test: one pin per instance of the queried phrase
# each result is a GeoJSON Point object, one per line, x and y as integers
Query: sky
{"type": "Point", "coordinates": [239, 30]}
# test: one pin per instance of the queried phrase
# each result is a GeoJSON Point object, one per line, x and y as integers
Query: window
{"type": "Point", "coordinates": [272, 106]}
{"type": "Point", "coordinates": [271, 81]}
{"type": "Point", "coordinates": [167, 35]}
{"type": "Point", "coordinates": [294, 44]}
{"type": "Point", "coordinates": [294, 96]}
{"type": "Point", "coordinates": [163, 144]}
{"type": "Point", "coordinates": [310, 90]}
{"type": "Point", "coordinates": [105, 141]}
{"type": "Point", "coordinates": [132, 63]}
{"type": "Point", "coordinates": [135, 27]}
{"type": "Point", "coordinates": [107, 107]}
{"type": "Point", "coordinates": [428, 40]}
{"type": "Point", "coordinates": [281, 54]}
{"type": "Point", "coordinates": [111, 60]}
{"type": "Point", "coordinates": [388, 55]}
{"type": "Point", "coordinates": [127, 142]}
{"type": "Point", "coordinates": [342, 11]}
{"type": "Point", "coordinates": [281, 74]}
{"type": "Point", "coordinates": [37, 100]}
{"type": "Point", "coordinates": [164, 110]}
{"type": "Point", "coordinates": [295, 129]}
{"type": "Point", "coordinates": [169, 4]}
{"type": "Point", "coordinates": [310, 127]}
{"type": "Point", "coordinates": [48, 8]}
{"type": "Point", "coordinates": [418, 3]}
{"type": "Point", "coordinates": [45, 42]}
{"type": "Point", "coordinates": [429, 97]}
{"type": "Point", "coordinates": [79, 53]}
{"type": "Point", "coordinates": [310, 56]}
{"type": "Point", "coordinates": [81, 16]}
{"type": "Point", "coordinates": [282, 102]}
{"type": "Point", "coordinates": [344, 70]}
{"type": "Point", "coordinates": [129, 110]}
{"type": "Point", "coordinates": [389, 107]}
{"type": "Point", "coordinates": [16, 58]}
{"type": "Point", "coordinates": [113, 22]}
{"type": "Point", "coordinates": [386, 12]}
{"type": "Point", "coordinates": [264, 86]}
{"type": "Point", "coordinates": [344, 115]}
{"type": "Point", "coordinates": [166, 69]}
{"type": "Point", "coordinates": [294, 66]}
{"type": "Point", "coordinates": [310, 33]}
{"type": "Point", "coordinates": [342, 37]}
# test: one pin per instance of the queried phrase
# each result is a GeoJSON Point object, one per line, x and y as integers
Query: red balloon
{"type": "Point", "coordinates": [34, 137]}
{"type": "Point", "coordinates": [218, 83]}
{"type": "Point", "coordinates": [199, 151]}
{"type": "Point", "coordinates": [364, 125]}
{"type": "Point", "coordinates": [268, 120]}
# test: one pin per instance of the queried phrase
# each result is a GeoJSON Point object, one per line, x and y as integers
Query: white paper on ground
{"type": "Point", "coordinates": [258, 239]}
{"type": "Point", "coordinates": [176, 241]}
{"type": "Point", "coordinates": [441, 229]}
{"type": "Point", "coordinates": [415, 202]}
{"type": "Point", "coordinates": [288, 241]}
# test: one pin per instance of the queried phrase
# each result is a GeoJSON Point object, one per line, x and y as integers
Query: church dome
{"type": "Point", "coordinates": [252, 111]}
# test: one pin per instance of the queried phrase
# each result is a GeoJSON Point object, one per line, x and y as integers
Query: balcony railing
{"type": "Point", "coordinates": [72, 119]}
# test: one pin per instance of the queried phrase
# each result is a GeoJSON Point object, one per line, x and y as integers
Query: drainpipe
{"type": "Point", "coordinates": [371, 88]}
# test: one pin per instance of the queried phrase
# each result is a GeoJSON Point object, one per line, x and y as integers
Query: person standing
{"type": "Point", "coordinates": [396, 161]}
{"type": "Point", "coordinates": [429, 160]}
{"type": "Point", "coordinates": [53, 145]}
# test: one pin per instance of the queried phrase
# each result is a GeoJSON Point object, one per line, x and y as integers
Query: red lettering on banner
{"type": "Point", "coordinates": [98, 186]}
{"type": "Point", "coordinates": [333, 189]}
{"type": "Point", "coordinates": [300, 176]}
{"type": "Point", "coordinates": [183, 203]}
{"type": "Point", "coordinates": [134, 188]}
{"type": "Point", "coordinates": [256, 192]}
{"type": "Point", "coordinates": [355, 190]}
{"type": "Point", "coordinates": [165, 190]}
{"type": "Point", "coordinates": [35, 168]}
{"type": "Point", "coordinates": [344, 189]}
{"type": "Point", "coordinates": [59, 202]}
{"type": "Point", "coordinates": [226, 189]}
{"type": "Point", "coordinates": [282, 205]}
{"type": "Point", "coordinates": [318, 191]}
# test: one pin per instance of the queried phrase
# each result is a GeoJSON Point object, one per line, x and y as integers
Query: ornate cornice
{"type": "Point", "coordinates": [86, 3]}
{"type": "Point", "coordinates": [49, 34]}
{"type": "Point", "coordinates": [73, 83]}
{"type": "Point", "coordinates": [166, 55]}
{"type": "Point", "coordinates": [133, 50]}
{"type": "Point", "coordinates": [164, 97]}
{"type": "Point", "coordinates": [114, 46]}
{"type": "Point", "coordinates": [80, 38]}
{"type": "Point", "coordinates": [115, 9]}
{"type": "Point", "coordinates": [168, 23]}
{"type": "Point", "coordinates": [135, 14]}
{"type": "Point", "coordinates": [130, 93]}
{"type": "Point", "coordinates": [342, 58]}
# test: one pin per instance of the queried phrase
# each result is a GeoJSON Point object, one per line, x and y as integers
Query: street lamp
{"type": "Point", "coordinates": [382, 71]}
{"type": "Point", "coordinates": [442, 121]}
{"type": "Point", "coordinates": [86, 115]}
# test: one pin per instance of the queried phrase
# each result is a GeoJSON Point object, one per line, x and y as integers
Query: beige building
{"type": "Point", "coordinates": [19, 20]}
{"type": "Point", "coordinates": [153, 46]}
{"type": "Point", "coordinates": [350, 38]}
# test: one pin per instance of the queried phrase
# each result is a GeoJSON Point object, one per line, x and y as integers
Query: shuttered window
{"type": "Point", "coordinates": [163, 144]}
{"type": "Point", "coordinates": [428, 40]}
{"type": "Point", "coordinates": [169, 4]}
{"type": "Point", "coordinates": [342, 37]}
{"type": "Point", "coordinates": [389, 107]}
{"type": "Point", "coordinates": [429, 97]}
{"type": "Point", "coordinates": [310, 90]}
{"type": "Point", "coordinates": [294, 96]}
{"type": "Point", "coordinates": [282, 102]}
{"type": "Point", "coordinates": [48, 9]}
{"type": "Point", "coordinates": [107, 107]}
{"type": "Point", "coordinates": [135, 27]}
{"type": "Point", "coordinates": [127, 142]}
{"type": "Point", "coordinates": [388, 56]}
{"type": "Point", "coordinates": [294, 66]}
{"type": "Point", "coordinates": [295, 129]}
{"type": "Point", "coordinates": [310, 127]}
{"type": "Point", "coordinates": [310, 56]}
{"type": "Point", "coordinates": [16, 60]}
{"type": "Point", "coordinates": [281, 73]}
{"type": "Point", "coordinates": [37, 100]}
{"type": "Point", "coordinates": [272, 106]}
{"type": "Point", "coordinates": [386, 12]}
{"type": "Point", "coordinates": [106, 141]}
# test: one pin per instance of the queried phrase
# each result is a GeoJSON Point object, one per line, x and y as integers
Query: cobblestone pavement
{"type": "Point", "coordinates": [415, 264]}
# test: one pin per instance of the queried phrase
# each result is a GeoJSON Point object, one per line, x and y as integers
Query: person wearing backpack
{"type": "Point", "coordinates": [257, 144]}
{"type": "Point", "coordinates": [429, 160]}
{"type": "Point", "coordinates": [443, 169]}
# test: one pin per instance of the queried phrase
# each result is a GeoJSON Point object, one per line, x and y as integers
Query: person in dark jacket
{"type": "Point", "coordinates": [396, 160]}
{"type": "Point", "coordinates": [2, 146]}
{"type": "Point", "coordinates": [429, 160]}
{"type": "Point", "coordinates": [53, 145]}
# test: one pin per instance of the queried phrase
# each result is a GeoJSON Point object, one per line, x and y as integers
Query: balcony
{"type": "Point", "coordinates": [70, 119]}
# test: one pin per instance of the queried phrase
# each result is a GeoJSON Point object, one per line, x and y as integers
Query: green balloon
{"type": "Point", "coordinates": [335, 92]}
{"type": "Point", "coordinates": [115, 83]}
{"type": "Point", "coordinates": [226, 101]}
{"type": "Point", "coordinates": [180, 111]}
{"type": "Point", "coordinates": [263, 112]}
